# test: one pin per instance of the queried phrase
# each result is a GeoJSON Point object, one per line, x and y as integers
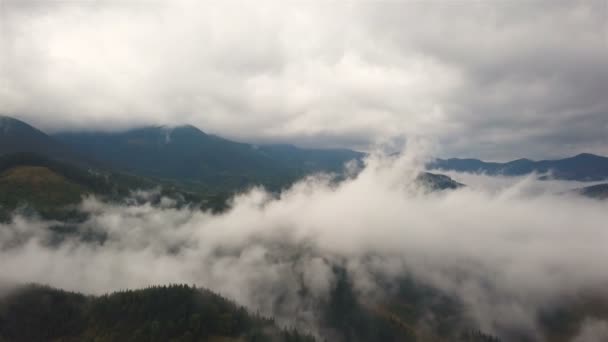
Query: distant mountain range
{"type": "Point", "coordinates": [17, 136]}
{"type": "Point", "coordinates": [50, 174]}
{"type": "Point", "coordinates": [598, 191]}
{"type": "Point", "coordinates": [202, 161]}
{"type": "Point", "coordinates": [582, 167]}
{"type": "Point", "coordinates": [187, 153]}
{"type": "Point", "coordinates": [183, 153]}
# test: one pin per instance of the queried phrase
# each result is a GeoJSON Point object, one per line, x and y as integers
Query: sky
{"type": "Point", "coordinates": [496, 80]}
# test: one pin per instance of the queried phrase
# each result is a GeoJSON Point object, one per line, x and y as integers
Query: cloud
{"type": "Point", "coordinates": [593, 330]}
{"type": "Point", "coordinates": [483, 79]}
{"type": "Point", "coordinates": [507, 253]}
{"type": "Point", "coordinates": [527, 184]}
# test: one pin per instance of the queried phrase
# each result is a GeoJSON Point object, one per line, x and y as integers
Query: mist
{"type": "Point", "coordinates": [507, 252]}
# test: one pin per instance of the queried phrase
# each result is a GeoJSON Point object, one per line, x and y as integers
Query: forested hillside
{"type": "Point", "coordinates": [160, 313]}
{"type": "Point", "coordinates": [184, 313]}
{"type": "Point", "coordinates": [51, 188]}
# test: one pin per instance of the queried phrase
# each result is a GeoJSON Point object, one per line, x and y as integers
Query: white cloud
{"type": "Point", "coordinates": [593, 330]}
{"type": "Point", "coordinates": [506, 252]}
{"type": "Point", "coordinates": [486, 79]}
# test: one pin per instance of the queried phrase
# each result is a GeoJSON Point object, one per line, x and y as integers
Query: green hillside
{"type": "Point", "coordinates": [183, 313]}
{"type": "Point", "coordinates": [52, 188]}
{"type": "Point", "coordinates": [38, 187]}
{"type": "Point", "coordinates": [161, 313]}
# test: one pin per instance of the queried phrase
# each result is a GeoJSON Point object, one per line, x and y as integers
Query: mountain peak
{"type": "Point", "coordinates": [7, 122]}
{"type": "Point", "coordinates": [586, 156]}
{"type": "Point", "coordinates": [13, 126]}
{"type": "Point", "coordinates": [186, 128]}
{"type": "Point", "coordinates": [17, 136]}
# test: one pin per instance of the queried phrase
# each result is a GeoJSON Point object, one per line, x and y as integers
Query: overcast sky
{"type": "Point", "coordinates": [489, 79]}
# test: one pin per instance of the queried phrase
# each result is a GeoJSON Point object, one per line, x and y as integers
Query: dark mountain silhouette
{"type": "Point", "coordinates": [204, 161]}
{"type": "Point", "coordinates": [598, 191]}
{"type": "Point", "coordinates": [434, 182]}
{"type": "Point", "coordinates": [186, 153]}
{"type": "Point", "coordinates": [18, 136]}
{"type": "Point", "coordinates": [582, 167]}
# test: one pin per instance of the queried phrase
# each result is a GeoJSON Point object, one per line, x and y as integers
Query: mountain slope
{"type": "Point", "coordinates": [52, 188]}
{"type": "Point", "coordinates": [49, 186]}
{"type": "Point", "coordinates": [183, 152]}
{"type": "Point", "coordinates": [598, 191]}
{"type": "Point", "coordinates": [38, 186]}
{"type": "Point", "coordinates": [17, 136]}
{"type": "Point", "coordinates": [437, 182]}
{"type": "Point", "coordinates": [311, 160]}
{"type": "Point", "coordinates": [186, 153]}
{"type": "Point", "coordinates": [582, 167]}
{"type": "Point", "coordinates": [164, 313]}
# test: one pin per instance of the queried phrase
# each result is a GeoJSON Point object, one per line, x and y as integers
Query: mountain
{"type": "Point", "coordinates": [200, 161]}
{"type": "Point", "coordinates": [184, 313]}
{"type": "Point", "coordinates": [53, 188]}
{"type": "Point", "coordinates": [17, 136]}
{"type": "Point", "coordinates": [184, 153]}
{"type": "Point", "coordinates": [311, 160]}
{"type": "Point", "coordinates": [411, 312]}
{"type": "Point", "coordinates": [161, 313]}
{"type": "Point", "coordinates": [50, 173]}
{"type": "Point", "coordinates": [582, 167]}
{"type": "Point", "coordinates": [598, 191]}
{"type": "Point", "coordinates": [435, 182]}
{"type": "Point", "coordinates": [50, 187]}
{"type": "Point", "coordinates": [187, 154]}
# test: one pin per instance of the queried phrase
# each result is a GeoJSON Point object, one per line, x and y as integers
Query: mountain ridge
{"type": "Point", "coordinates": [581, 167]}
{"type": "Point", "coordinates": [187, 153]}
{"type": "Point", "coordinates": [181, 153]}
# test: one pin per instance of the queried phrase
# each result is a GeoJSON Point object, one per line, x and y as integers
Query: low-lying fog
{"type": "Point", "coordinates": [506, 247]}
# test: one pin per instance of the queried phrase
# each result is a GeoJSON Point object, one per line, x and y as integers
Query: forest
{"type": "Point", "coordinates": [158, 313]}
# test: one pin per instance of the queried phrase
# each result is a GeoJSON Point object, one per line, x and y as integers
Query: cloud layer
{"type": "Point", "coordinates": [507, 254]}
{"type": "Point", "coordinates": [486, 79]}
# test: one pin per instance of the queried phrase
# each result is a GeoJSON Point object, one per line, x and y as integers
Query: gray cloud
{"type": "Point", "coordinates": [508, 251]}
{"type": "Point", "coordinates": [593, 330]}
{"type": "Point", "coordinates": [488, 79]}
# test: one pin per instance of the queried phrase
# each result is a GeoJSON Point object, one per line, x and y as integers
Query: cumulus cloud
{"type": "Point", "coordinates": [507, 253]}
{"type": "Point", "coordinates": [486, 79]}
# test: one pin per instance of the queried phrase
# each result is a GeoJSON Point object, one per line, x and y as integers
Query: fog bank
{"type": "Point", "coordinates": [507, 252]}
